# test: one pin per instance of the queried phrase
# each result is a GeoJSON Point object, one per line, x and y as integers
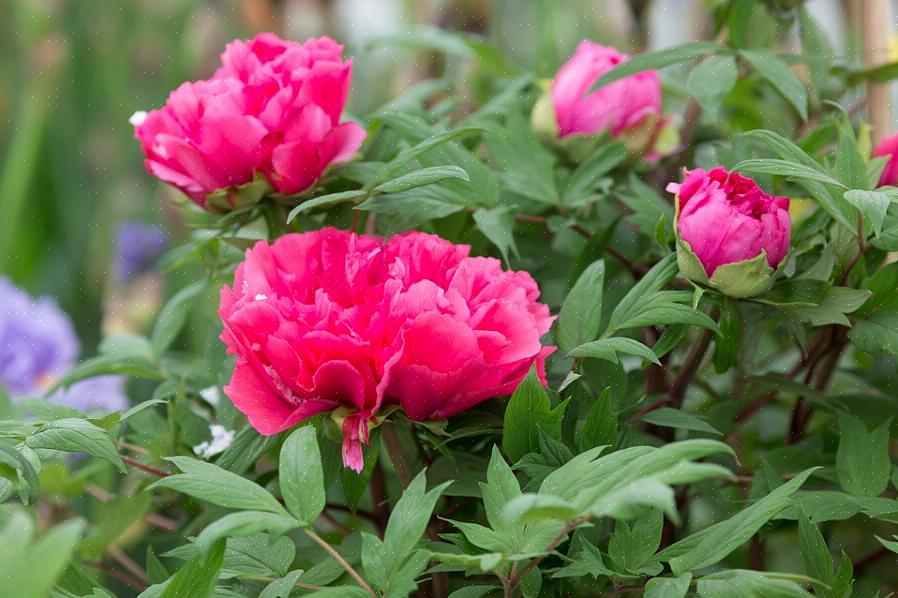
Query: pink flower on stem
{"type": "Point", "coordinates": [616, 107]}
{"type": "Point", "coordinates": [272, 110]}
{"type": "Point", "coordinates": [331, 320]}
{"type": "Point", "coordinates": [888, 147]}
{"type": "Point", "coordinates": [731, 233]}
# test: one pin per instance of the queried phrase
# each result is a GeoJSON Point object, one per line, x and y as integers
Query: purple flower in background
{"type": "Point", "coordinates": [103, 393]}
{"type": "Point", "coordinates": [38, 344]}
{"type": "Point", "coordinates": [137, 246]}
{"type": "Point", "coordinates": [37, 341]}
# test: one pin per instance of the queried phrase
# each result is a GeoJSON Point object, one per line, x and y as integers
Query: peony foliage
{"type": "Point", "coordinates": [630, 330]}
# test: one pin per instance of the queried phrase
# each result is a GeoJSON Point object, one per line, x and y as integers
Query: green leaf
{"type": "Point", "coordinates": [631, 546]}
{"type": "Point", "coordinates": [528, 407]}
{"type": "Point", "coordinates": [587, 561]}
{"type": "Point", "coordinates": [213, 484]}
{"type": "Point", "coordinates": [713, 544]}
{"type": "Point", "coordinates": [106, 364]}
{"type": "Point", "coordinates": [837, 302]}
{"type": "Point", "coordinates": [584, 178]}
{"type": "Point", "coordinates": [156, 571]}
{"type": "Point", "coordinates": [795, 292]}
{"type": "Point", "coordinates": [653, 281]}
{"type": "Point", "coordinates": [775, 70]}
{"type": "Point", "coordinates": [889, 544]}
{"type": "Point", "coordinates": [581, 312]}
{"type": "Point", "coordinates": [501, 487]}
{"type": "Point", "coordinates": [174, 315]}
{"type": "Point", "coordinates": [789, 151]}
{"type": "Point", "coordinates": [740, 583]}
{"type": "Point", "coordinates": [406, 156]}
{"type": "Point", "coordinates": [533, 508]}
{"type": "Point", "coordinates": [655, 60]}
{"type": "Point", "coordinates": [326, 201]}
{"type": "Point", "coordinates": [301, 476]}
{"type": "Point", "coordinates": [245, 523]}
{"type": "Point", "coordinates": [872, 205]}
{"type": "Point", "coordinates": [851, 168]}
{"type": "Point", "coordinates": [282, 588]}
{"type": "Point", "coordinates": [818, 562]}
{"type": "Point", "coordinates": [712, 79]}
{"type": "Point", "coordinates": [407, 523]}
{"type": "Point", "coordinates": [668, 587]}
{"type": "Point", "coordinates": [862, 459]}
{"type": "Point", "coordinates": [497, 225]}
{"type": "Point", "coordinates": [422, 177]}
{"type": "Point", "coordinates": [786, 169]}
{"type": "Point", "coordinates": [675, 418]}
{"type": "Point", "coordinates": [30, 569]}
{"type": "Point", "coordinates": [197, 578]}
{"type": "Point", "coordinates": [608, 348]}
{"type": "Point", "coordinates": [600, 426]}
{"type": "Point", "coordinates": [876, 333]}
{"type": "Point", "coordinates": [76, 435]}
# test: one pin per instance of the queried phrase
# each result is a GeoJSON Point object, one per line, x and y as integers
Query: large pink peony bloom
{"type": "Point", "coordinates": [616, 107]}
{"type": "Point", "coordinates": [726, 218]}
{"type": "Point", "coordinates": [329, 319]}
{"type": "Point", "coordinates": [888, 147]}
{"type": "Point", "coordinates": [273, 109]}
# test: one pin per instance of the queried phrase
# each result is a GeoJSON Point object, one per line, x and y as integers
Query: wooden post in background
{"type": "Point", "coordinates": [876, 29]}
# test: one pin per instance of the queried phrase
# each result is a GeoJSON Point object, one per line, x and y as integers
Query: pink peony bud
{"type": "Point", "coordinates": [724, 219]}
{"type": "Point", "coordinates": [888, 147]}
{"type": "Point", "coordinates": [331, 320]}
{"type": "Point", "coordinates": [622, 105]}
{"type": "Point", "coordinates": [272, 110]}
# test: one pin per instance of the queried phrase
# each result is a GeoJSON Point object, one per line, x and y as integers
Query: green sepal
{"type": "Point", "coordinates": [224, 200]}
{"type": "Point", "coordinates": [744, 279]}
{"type": "Point", "coordinates": [542, 118]}
{"type": "Point", "coordinates": [738, 279]}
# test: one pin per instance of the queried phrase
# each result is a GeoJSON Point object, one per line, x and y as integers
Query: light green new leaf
{"type": "Point", "coordinates": [301, 476]}
{"type": "Point", "coordinates": [581, 312]}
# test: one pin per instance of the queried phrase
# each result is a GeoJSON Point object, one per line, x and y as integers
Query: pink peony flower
{"type": "Point", "coordinates": [272, 109]}
{"type": "Point", "coordinates": [622, 105]}
{"type": "Point", "coordinates": [725, 218]}
{"type": "Point", "coordinates": [888, 147]}
{"type": "Point", "coordinates": [332, 320]}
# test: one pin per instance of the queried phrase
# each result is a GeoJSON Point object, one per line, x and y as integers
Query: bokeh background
{"type": "Point", "coordinates": [73, 71]}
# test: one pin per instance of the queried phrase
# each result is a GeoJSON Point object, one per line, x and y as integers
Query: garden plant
{"type": "Point", "coordinates": [630, 329]}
